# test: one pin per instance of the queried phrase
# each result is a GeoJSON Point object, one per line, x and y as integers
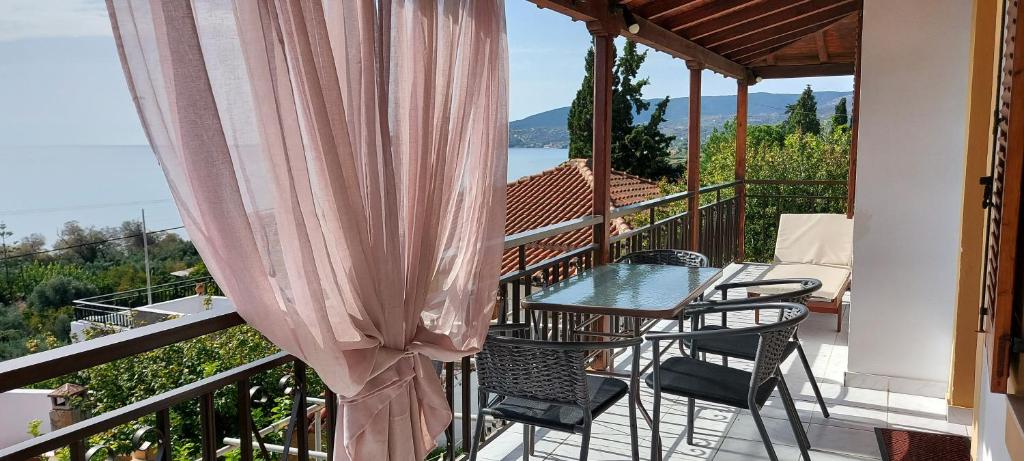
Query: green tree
{"type": "Point", "coordinates": [12, 333]}
{"type": "Point", "coordinates": [58, 292]}
{"type": "Point", "coordinates": [840, 120]}
{"type": "Point", "coordinates": [772, 154]}
{"type": "Point", "coordinates": [82, 244]}
{"type": "Point", "coordinates": [642, 150]}
{"type": "Point", "coordinates": [117, 384]}
{"type": "Point", "coordinates": [802, 116]}
{"type": "Point", "coordinates": [581, 112]}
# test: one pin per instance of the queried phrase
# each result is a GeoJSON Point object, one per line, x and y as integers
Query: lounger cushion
{"type": "Point", "coordinates": [603, 391]}
{"type": "Point", "coordinates": [825, 239]}
{"type": "Point", "coordinates": [833, 279]}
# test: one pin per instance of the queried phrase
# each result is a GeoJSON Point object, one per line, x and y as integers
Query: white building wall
{"type": "Point", "coordinates": [909, 179]}
{"type": "Point", "coordinates": [19, 407]}
{"type": "Point", "coordinates": [991, 439]}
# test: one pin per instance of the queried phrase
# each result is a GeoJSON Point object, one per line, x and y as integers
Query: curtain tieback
{"type": "Point", "coordinates": [409, 382]}
{"type": "Point", "coordinates": [397, 374]}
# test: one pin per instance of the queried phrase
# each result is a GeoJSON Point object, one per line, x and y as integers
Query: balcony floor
{"type": "Point", "coordinates": [724, 433]}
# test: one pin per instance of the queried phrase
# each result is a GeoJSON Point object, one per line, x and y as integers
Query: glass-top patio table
{"type": "Point", "coordinates": [637, 292]}
{"type": "Point", "coordinates": [628, 290]}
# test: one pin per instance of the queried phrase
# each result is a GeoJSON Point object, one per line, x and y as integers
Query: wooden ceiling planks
{"type": "Point", "coordinates": [739, 38]}
{"type": "Point", "coordinates": [792, 29]}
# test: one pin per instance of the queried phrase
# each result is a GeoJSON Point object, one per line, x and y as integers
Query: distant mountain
{"type": "Point", "coordinates": [548, 129]}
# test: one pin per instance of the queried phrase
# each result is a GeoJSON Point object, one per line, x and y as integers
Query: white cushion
{"type": "Point", "coordinates": [815, 239]}
{"type": "Point", "coordinates": [833, 279]}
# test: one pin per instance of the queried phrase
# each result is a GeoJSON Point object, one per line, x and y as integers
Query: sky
{"type": "Point", "coordinates": [63, 83]}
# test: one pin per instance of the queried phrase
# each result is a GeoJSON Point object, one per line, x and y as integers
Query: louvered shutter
{"type": "Point", "coordinates": [1001, 271]}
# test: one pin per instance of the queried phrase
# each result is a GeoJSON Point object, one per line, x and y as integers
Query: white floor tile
{"type": "Point", "coordinates": [843, 440]}
{"type": "Point", "coordinates": [917, 405]}
{"type": "Point", "coordinates": [853, 417]}
{"type": "Point", "coordinates": [742, 449]}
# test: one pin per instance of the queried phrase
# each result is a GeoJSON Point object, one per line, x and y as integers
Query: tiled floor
{"type": "Point", "coordinates": [727, 434]}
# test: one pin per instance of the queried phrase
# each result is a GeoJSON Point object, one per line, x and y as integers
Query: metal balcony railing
{"type": "Point", "coordinates": [659, 223]}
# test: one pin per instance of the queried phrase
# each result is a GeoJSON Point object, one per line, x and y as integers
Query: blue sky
{"type": "Point", "coordinates": [63, 83]}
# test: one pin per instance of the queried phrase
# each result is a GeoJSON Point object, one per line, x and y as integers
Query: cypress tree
{"type": "Point", "coordinates": [641, 150]}
{"type": "Point", "coordinates": [802, 116]}
{"type": "Point", "coordinates": [581, 112]}
{"type": "Point", "coordinates": [840, 120]}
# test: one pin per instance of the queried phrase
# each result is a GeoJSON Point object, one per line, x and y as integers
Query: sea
{"type": "Point", "coordinates": [42, 187]}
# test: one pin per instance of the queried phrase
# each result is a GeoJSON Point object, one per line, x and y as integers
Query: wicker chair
{"type": "Point", "coordinates": [666, 258]}
{"type": "Point", "coordinates": [545, 383]}
{"type": "Point", "coordinates": [745, 347]}
{"type": "Point", "coordinates": [696, 379]}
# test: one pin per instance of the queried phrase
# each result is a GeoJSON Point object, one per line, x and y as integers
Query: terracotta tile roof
{"type": "Point", "coordinates": [560, 194]}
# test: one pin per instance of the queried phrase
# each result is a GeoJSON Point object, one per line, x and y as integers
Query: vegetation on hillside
{"type": "Point", "coordinates": [796, 149]}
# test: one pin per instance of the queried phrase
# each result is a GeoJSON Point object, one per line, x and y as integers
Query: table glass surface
{"type": "Point", "coordinates": [640, 290]}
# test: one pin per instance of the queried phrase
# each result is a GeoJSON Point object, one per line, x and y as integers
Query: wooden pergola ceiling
{"type": "Point", "coordinates": [738, 38]}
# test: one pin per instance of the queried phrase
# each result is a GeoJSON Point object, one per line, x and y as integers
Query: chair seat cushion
{"type": "Point", "coordinates": [833, 279]}
{"type": "Point", "coordinates": [604, 392]}
{"type": "Point", "coordinates": [688, 377]}
{"type": "Point", "coordinates": [739, 346]}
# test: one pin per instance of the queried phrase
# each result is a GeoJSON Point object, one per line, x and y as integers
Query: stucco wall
{"type": "Point", "coordinates": [19, 407]}
{"type": "Point", "coordinates": [910, 174]}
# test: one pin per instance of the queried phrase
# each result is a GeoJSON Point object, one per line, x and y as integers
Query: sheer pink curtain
{"type": "Point", "coordinates": [340, 165]}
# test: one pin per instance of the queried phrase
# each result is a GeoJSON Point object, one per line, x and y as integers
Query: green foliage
{"type": "Point", "coordinates": [59, 291]}
{"type": "Point", "coordinates": [581, 112]}
{"type": "Point", "coordinates": [642, 150]}
{"type": "Point", "coordinates": [840, 120]}
{"type": "Point", "coordinates": [13, 333]}
{"type": "Point", "coordinates": [772, 154]}
{"type": "Point", "coordinates": [802, 116]}
{"type": "Point", "coordinates": [122, 382]}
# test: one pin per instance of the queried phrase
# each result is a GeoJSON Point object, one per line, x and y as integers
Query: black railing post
{"type": "Point", "coordinates": [331, 404]}
{"type": "Point", "coordinates": [467, 408]}
{"type": "Point", "coordinates": [449, 391]}
{"type": "Point", "coordinates": [207, 417]}
{"type": "Point", "coordinates": [77, 450]}
{"type": "Point", "coordinates": [301, 426]}
{"type": "Point", "coordinates": [244, 404]}
{"type": "Point", "coordinates": [163, 425]}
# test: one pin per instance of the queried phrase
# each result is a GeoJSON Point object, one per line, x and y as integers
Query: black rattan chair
{"type": "Point", "coordinates": [545, 384]}
{"type": "Point", "coordinates": [745, 347]}
{"type": "Point", "coordinates": [666, 258]}
{"type": "Point", "coordinates": [696, 379]}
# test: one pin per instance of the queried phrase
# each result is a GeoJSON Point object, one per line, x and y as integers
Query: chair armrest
{"type": "Point", "coordinates": [806, 287]}
{"type": "Point", "coordinates": [570, 345]}
{"type": "Point", "coordinates": [507, 328]}
{"type": "Point", "coordinates": [749, 306]}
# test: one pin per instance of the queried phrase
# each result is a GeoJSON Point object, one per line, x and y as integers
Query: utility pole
{"type": "Point", "coordinates": [4, 233]}
{"type": "Point", "coordinates": [145, 252]}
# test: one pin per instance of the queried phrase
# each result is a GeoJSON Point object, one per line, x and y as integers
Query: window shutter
{"type": "Point", "coordinates": [1001, 270]}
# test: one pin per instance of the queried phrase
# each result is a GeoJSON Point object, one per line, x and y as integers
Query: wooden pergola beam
{"type": "Point", "coordinates": [702, 13]}
{"type": "Point", "coordinates": [651, 34]}
{"type": "Point", "coordinates": [753, 52]}
{"type": "Point", "coordinates": [819, 39]}
{"type": "Point", "coordinates": [738, 17]}
{"type": "Point", "coordinates": [654, 10]}
{"type": "Point", "coordinates": [693, 157]}
{"type": "Point", "coordinates": [807, 24]}
{"type": "Point", "coordinates": [851, 186]}
{"type": "Point", "coordinates": [741, 168]}
{"type": "Point", "coordinates": [604, 61]}
{"type": "Point", "coordinates": [798, 71]}
{"type": "Point", "coordinates": [773, 19]}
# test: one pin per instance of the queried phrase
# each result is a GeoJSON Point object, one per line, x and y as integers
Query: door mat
{"type": "Point", "coordinates": [901, 445]}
